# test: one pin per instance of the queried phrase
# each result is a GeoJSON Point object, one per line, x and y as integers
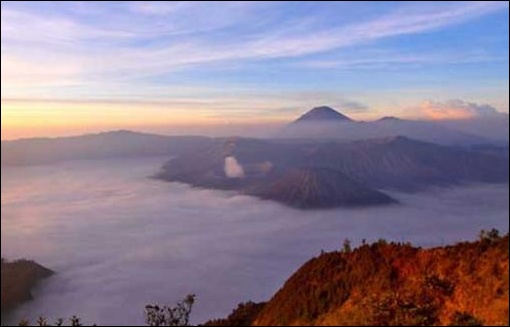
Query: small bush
{"type": "Point", "coordinates": [179, 315]}
{"type": "Point", "coordinates": [489, 236]}
{"type": "Point", "coordinates": [465, 319]}
{"type": "Point", "coordinates": [346, 247]}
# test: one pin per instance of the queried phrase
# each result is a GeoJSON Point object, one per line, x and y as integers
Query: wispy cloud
{"type": "Point", "coordinates": [409, 20]}
{"type": "Point", "coordinates": [386, 60]}
{"type": "Point", "coordinates": [401, 22]}
{"type": "Point", "coordinates": [142, 44]}
{"type": "Point", "coordinates": [160, 7]}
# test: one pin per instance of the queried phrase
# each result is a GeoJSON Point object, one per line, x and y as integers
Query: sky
{"type": "Point", "coordinates": [184, 66]}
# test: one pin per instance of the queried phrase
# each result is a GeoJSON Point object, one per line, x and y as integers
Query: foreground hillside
{"type": "Point", "coordinates": [392, 284]}
{"type": "Point", "coordinates": [18, 279]}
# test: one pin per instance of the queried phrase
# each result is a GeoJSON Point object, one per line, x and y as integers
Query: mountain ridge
{"type": "Point", "coordinates": [327, 123]}
{"type": "Point", "coordinates": [121, 143]}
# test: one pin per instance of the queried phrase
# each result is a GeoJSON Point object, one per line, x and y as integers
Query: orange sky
{"type": "Point", "coordinates": [227, 117]}
{"type": "Point", "coordinates": [22, 119]}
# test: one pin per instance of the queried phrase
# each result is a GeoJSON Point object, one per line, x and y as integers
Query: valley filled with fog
{"type": "Point", "coordinates": [119, 239]}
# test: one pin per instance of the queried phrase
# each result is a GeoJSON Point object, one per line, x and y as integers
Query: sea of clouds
{"type": "Point", "coordinates": [119, 239]}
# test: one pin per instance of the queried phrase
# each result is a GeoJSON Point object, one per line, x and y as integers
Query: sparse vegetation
{"type": "Point", "coordinates": [244, 315]}
{"type": "Point", "coordinates": [398, 284]}
{"type": "Point", "coordinates": [346, 246]}
{"type": "Point", "coordinates": [155, 315]}
{"type": "Point", "coordinates": [179, 315]}
{"type": "Point", "coordinates": [41, 321]}
{"type": "Point", "coordinates": [489, 236]}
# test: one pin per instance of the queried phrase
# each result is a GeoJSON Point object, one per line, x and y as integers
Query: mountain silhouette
{"type": "Point", "coordinates": [323, 113]}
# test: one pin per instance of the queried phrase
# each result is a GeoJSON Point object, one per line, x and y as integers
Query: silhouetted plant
{"type": "Point", "coordinates": [42, 321]}
{"type": "Point", "coordinates": [381, 241]}
{"type": "Point", "coordinates": [179, 315]}
{"type": "Point", "coordinates": [75, 321]}
{"type": "Point", "coordinates": [346, 247]}
{"type": "Point", "coordinates": [155, 315]}
{"type": "Point", "coordinates": [491, 236]}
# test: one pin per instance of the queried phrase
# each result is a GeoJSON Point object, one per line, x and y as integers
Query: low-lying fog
{"type": "Point", "coordinates": [119, 240]}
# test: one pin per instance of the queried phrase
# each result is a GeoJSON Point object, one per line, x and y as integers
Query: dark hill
{"type": "Point", "coordinates": [320, 188]}
{"type": "Point", "coordinates": [18, 279]}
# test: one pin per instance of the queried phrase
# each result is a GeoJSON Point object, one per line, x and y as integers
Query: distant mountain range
{"type": "Point", "coordinates": [97, 146]}
{"type": "Point", "coordinates": [319, 124]}
{"type": "Point", "coordinates": [323, 159]}
{"type": "Point", "coordinates": [326, 123]}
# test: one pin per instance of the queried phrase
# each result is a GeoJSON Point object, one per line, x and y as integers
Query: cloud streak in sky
{"type": "Point", "coordinates": [137, 40]}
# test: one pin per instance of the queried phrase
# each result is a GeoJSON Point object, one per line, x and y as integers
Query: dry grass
{"type": "Point", "coordinates": [396, 284]}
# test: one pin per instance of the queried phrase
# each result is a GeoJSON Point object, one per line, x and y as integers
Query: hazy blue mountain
{"type": "Point", "coordinates": [494, 127]}
{"type": "Point", "coordinates": [97, 146]}
{"type": "Point", "coordinates": [323, 113]}
{"type": "Point", "coordinates": [326, 123]}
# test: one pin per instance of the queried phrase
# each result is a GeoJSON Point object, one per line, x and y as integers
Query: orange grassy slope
{"type": "Point", "coordinates": [395, 284]}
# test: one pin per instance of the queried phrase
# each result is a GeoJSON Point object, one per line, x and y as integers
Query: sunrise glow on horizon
{"type": "Point", "coordinates": [184, 67]}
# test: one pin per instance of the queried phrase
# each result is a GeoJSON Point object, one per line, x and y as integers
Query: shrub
{"type": "Point", "coordinates": [465, 319]}
{"type": "Point", "coordinates": [489, 236]}
{"type": "Point", "coordinates": [155, 315]}
{"type": "Point", "coordinates": [179, 315]}
{"type": "Point", "coordinates": [346, 247]}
